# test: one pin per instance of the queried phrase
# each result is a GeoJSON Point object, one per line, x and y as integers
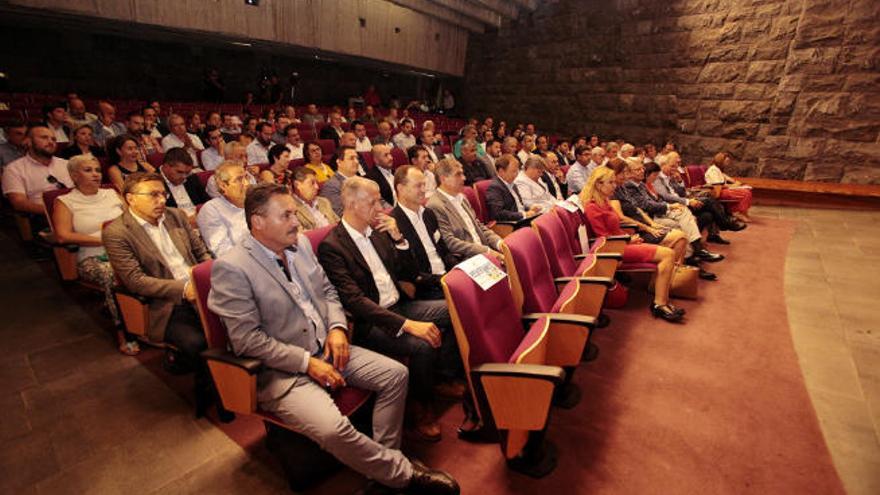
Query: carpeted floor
{"type": "Point", "coordinates": [717, 405]}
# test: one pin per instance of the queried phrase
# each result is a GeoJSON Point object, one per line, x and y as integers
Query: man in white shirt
{"type": "Point", "coordinates": [528, 144]}
{"type": "Point", "coordinates": [258, 150]}
{"type": "Point", "coordinates": [428, 141]}
{"type": "Point", "coordinates": [362, 145]}
{"type": "Point", "coordinates": [184, 188]}
{"type": "Point", "coordinates": [405, 138]}
{"type": "Point", "coordinates": [531, 188]}
{"type": "Point", "coordinates": [578, 174]}
{"type": "Point", "coordinates": [213, 156]}
{"type": "Point", "coordinates": [366, 266]}
{"type": "Point", "coordinates": [221, 221]}
{"type": "Point", "coordinates": [151, 122]}
{"type": "Point", "coordinates": [418, 157]}
{"type": "Point", "coordinates": [25, 179]}
{"type": "Point", "coordinates": [293, 141]}
{"type": "Point", "coordinates": [179, 138]}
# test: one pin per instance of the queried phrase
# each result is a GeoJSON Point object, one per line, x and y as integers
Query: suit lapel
{"type": "Point", "coordinates": [147, 246]}
{"type": "Point", "coordinates": [409, 231]}
{"type": "Point", "coordinates": [349, 246]}
{"type": "Point", "coordinates": [177, 233]}
{"type": "Point", "coordinates": [269, 264]}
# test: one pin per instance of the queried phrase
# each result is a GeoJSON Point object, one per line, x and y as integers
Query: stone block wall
{"type": "Point", "coordinates": [791, 88]}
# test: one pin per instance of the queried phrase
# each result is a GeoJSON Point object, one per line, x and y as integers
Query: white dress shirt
{"type": "Point", "coordinates": [523, 155]}
{"type": "Point", "coordinates": [388, 295]}
{"type": "Point", "coordinates": [389, 176]}
{"type": "Point", "coordinates": [459, 208]}
{"type": "Point", "coordinates": [211, 158]}
{"type": "Point", "coordinates": [430, 183]}
{"type": "Point", "coordinates": [181, 197]}
{"type": "Point", "coordinates": [576, 177]}
{"type": "Point", "coordinates": [364, 145]}
{"type": "Point", "coordinates": [172, 141]}
{"type": "Point", "coordinates": [533, 192]}
{"type": "Point", "coordinates": [418, 222]}
{"type": "Point", "coordinates": [60, 135]}
{"type": "Point", "coordinates": [257, 154]}
{"type": "Point", "coordinates": [432, 155]}
{"type": "Point", "coordinates": [221, 224]}
{"type": "Point", "coordinates": [162, 240]}
{"type": "Point", "coordinates": [714, 176]}
{"type": "Point", "coordinates": [404, 141]}
{"type": "Point", "coordinates": [296, 152]}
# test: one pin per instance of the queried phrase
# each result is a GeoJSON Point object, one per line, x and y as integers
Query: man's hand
{"type": "Point", "coordinates": [495, 254]}
{"type": "Point", "coordinates": [695, 203]}
{"type": "Point", "coordinates": [336, 346]}
{"type": "Point", "coordinates": [387, 224]}
{"type": "Point", "coordinates": [189, 290]}
{"type": "Point", "coordinates": [676, 206]}
{"type": "Point", "coordinates": [534, 210]}
{"type": "Point", "coordinates": [424, 330]}
{"type": "Point", "coordinates": [324, 374]}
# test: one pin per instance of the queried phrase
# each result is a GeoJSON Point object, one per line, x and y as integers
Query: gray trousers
{"type": "Point", "coordinates": [683, 220]}
{"type": "Point", "coordinates": [310, 410]}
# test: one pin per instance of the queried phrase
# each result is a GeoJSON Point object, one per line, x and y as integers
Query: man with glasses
{"type": "Point", "coordinates": [25, 179]}
{"type": "Point", "coordinates": [221, 220]}
{"type": "Point", "coordinates": [152, 249]}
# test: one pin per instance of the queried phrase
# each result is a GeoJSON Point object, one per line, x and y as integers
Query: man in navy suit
{"type": "Point", "coordinates": [502, 198]}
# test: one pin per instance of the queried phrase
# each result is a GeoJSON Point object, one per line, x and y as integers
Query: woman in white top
{"type": "Point", "coordinates": [729, 188]}
{"type": "Point", "coordinates": [77, 218]}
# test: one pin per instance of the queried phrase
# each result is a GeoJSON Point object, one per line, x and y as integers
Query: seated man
{"type": "Point", "coordinates": [553, 176]}
{"type": "Point", "coordinates": [346, 168]}
{"type": "Point", "coordinates": [56, 121]}
{"type": "Point", "coordinates": [362, 142]}
{"type": "Point", "coordinates": [258, 149]}
{"type": "Point", "coordinates": [213, 156]}
{"type": "Point", "coordinates": [384, 130]}
{"type": "Point", "coordinates": [405, 139]}
{"type": "Point", "coordinates": [268, 288]}
{"type": "Point", "coordinates": [350, 139]}
{"type": "Point", "coordinates": [503, 198]}
{"type": "Point", "coordinates": [419, 226]}
{"type": "Point", "coordinates": [459, 228]}
{"type": "Point", "coordinates": [334, 130]}
{"type": "Point", "coordinates": [294, 142]}
{"type": "Point", "coordinates": [152, 249]}
{"type": "Point", "coordinates": [180, 138]}
{"type": "Point", "coordinates": [579, 172]}
{"type": "Point", "coordinates": [221, 220]}
{"type": "Point", "coordinates": [14, 147]}
{"type": "Point", "coordinates": [184, 189]}
{"type": "Point", "coordinates": [418, 157]}
{"type": "Point", "coordinates": [312, 211]}
{"type": "Point", "coordinates": [532, 189]}
{"type": "Point", "coordinates": [474, 168]}
{"type": "Point", "coordinates": [105, 126]}
{"type": "Point", "coordinates": [382, 174]}
{"type": "Point", "coordinates": [366, 266]}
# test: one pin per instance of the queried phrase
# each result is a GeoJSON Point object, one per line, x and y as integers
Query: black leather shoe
{"type": "Point", "coordinates": [705, 255]}
{"type": "Point", "coordinates": [707, 275]}
{"type": "Point", "coordinates": [735, 226]}
{"type": "Point", "coordinates": [666, 312]}
{"type": "Point", "coordinates": [429, 481]}
{"type": "Point", "coordinates": [717, 239]}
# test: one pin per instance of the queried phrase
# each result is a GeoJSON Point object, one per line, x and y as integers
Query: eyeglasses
{"type": "Point", "coordinates": [55, 182]}
{"type": "Point", "coordinates": [154, 195]}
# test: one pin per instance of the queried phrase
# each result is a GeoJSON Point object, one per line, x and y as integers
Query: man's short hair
{"type": "Point", "coordinates": [302, 173]}
{"type": "Point", "coordinates": [222, 173]}
{"type": "Point", "coordinates": [470, 143]}
{"type": "Point", "coordinates": [34, 125]}
{"type": "Point", "coordinates": [617, 165]}
{"type": "Point", "coordinates": [357, 123]}
{"type": "Point", "coordinates": [211, 128]}
{"type": "Point", "coordinates": [492, 141]}
{"type": "Point", "coordinates": [288, 129]}
{"type": "Point", "coordinates": [505, 161]}
{"type": "Point", "coordinates": [136, 178]}
{"type": "Point", "coordinates": [177, 155]}
{"type": "Point", "coordinates": [446, 167]}
{"type": "Point", "coordinates": [340, 152]}
{"type": "Point", "coordinates": [535, 162]}
{"type": "Point", "coordinates": [401, 174]}
{"type": "Point", "coordinates": [413, 152]}
{"type": "Point", "coordinates": [257, 196]}
{"type": "Point", "coordinates": [261, 125]}
{"type": "Point", "coordinates": [133, 113]}
{"type": "Point", "coordinates": [50, 107]}
{"type": "Point", "coordinates": [14, 124]}
{"type": "Point", "coordinates": [580, 150]}
{"type": "Point", "coordinates": [353, 186]}
{"type": "Point", "coordinates": [276, 151]}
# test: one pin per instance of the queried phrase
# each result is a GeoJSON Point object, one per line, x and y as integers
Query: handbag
{"type": "Point", "coordinates": [616, 296]}
{"type": "Point", "coordinates": [684, 282]}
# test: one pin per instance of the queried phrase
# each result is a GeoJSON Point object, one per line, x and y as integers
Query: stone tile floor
{"type": "Point", "coordinates": [79, 417]}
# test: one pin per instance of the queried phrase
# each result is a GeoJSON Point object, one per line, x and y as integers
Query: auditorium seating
{"type": "Point", "coordinates": [501, 227]}
{"type": "Point", "coordinates": [563, 262]}
{"type": "Point", "coordinates": [504, 364]}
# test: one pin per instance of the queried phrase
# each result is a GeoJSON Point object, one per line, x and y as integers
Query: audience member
{"type": "Point", "coordinates": [334, 130]}
{"type": "Point", "coordinates": [460, 230]}
{"type": "Point", "coordinates": [77, 218]}
{"type": "Point", "coordinates": [258, 149]}
{"type": "Point", "coordinates": [214, 154]}
{"type": "Point", "coordinates": [384, 136]}
{"type": "Point", "coordinates": [82, 143]}
{"type": "Point", "coordinates": [55, 115]}
{"type": "Point", "coordinates": [366, 266]}
{"type": "Point", "coordinates": [314, 156]}
{"type": "Point", "coordinates": [418, 157]}
{"type": "Point", "coordinates": [346, 167]}
{"type": "Point", "coordinates": [106, 127]}
{"type": "Point", "coordinates": [26, 178]}
{"type": "Point", "coordinates": [475, 169]}
{"type": "Point", "coordinates": [369, 115]}
{"type": "Point", "coordinates": [363, 144]}
{"type": "Point", "coordinates": [279, 166]}
{"type": "Point", "coordinates": [428, 142]}
{"type": "Point", "coordinates": [185, 192]}
{"type": "Point", "coordinates": [15, 146]}
{"type": "Point", "coordinates": [312, 211]}
{"type": "Point", "coordinates": [729, 187]}
{"type": "Point", "coordinates": [382, 174]}
{"type": "Point", "coordinates": [135, 125]}
{"type": "Point", "coordinates": [77, 115]}
{"type": "Point", "coordinates": [312, 116]}
{"type": "Point", "coordinates": [180, 138]}
{"type": "Point", "coordinates": [300, 367]}
{"type": "Point", "coordinates": [221, 220]}
{"type": "Point", "coordinates": [125, 160]}
{"type": "Point", "coordinates": [554, 178]}
{"type": "Point", "coordinates": [151, 122]}
{"type": "Point", "coordinates": [503, 199]}
{"type": "Point", "coordinates": [405, 138]}
{"type": "Point", "coordinates": [532, 190]}
{"type": "Point", "coordinates": [580, 171]}
{"type": "Point", "coordinates": [294, 143]}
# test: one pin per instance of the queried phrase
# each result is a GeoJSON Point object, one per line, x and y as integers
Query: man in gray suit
{"type": "Point", "coordinates": [461, 231]}
{"type": "Point", "coordinates": [279, 307]}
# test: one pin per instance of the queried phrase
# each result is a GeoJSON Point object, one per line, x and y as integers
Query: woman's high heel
{"type": "Point", "coordinates": [666, 312]}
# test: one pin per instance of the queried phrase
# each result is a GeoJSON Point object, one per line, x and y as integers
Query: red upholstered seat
{"type": "Point", "coordinates": [399, 157]}
{"type": "Point", "coordinates": [316, 236]}
{"type": "Point", "coordinates": [204, 177]}
{"type": "Point", "coordinates": [328, 146]}
{"type": "Point", "coordinates": [471, 195]}
{"type": "Point", "coordinates": [695, 175]}
{"type": "Point", "coordinates": [563, 262]}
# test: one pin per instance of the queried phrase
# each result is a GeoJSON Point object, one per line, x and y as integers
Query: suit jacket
{"type": "Point", "coordinates": [633, 195]}
{"type": "Point", "coordinates": [306, 220]}
{"type": "Point", "coordinates": [141, 268]}
{"type": "Point", "coordinates": [193, 188]}
{"type": "Point", "coordinates": [454, 232]}
{"type": "Point", "coordinates": [329, 132]}
{"type": "Point", "coordinates": [500, 202]}
{"type": "Point", "coordinates": [554, 188]}
{"type": "Point", "coordinates": [332, 190]}
{"type": "Point", "coordinates": [351, 276]}
{"type": "Point", "coordinates": [375, 175]}
{"type": "Point", "coordinates": [251, 295]}
{"type": "Point", "coordinates": [415, 242]}
{"type": "Point", "coordinates": [475, 171]}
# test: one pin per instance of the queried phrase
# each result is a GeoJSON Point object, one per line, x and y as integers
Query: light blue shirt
{"type": "Point", "coordinates": [222, 225]}
{"type": "Point", "coordinates": [576, 178]}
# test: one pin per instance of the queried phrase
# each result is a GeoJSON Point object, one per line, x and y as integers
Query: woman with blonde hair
{"type": "Point", "coordinates": [604, 221]}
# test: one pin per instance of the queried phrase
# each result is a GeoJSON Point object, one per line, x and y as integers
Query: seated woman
{"type": "Point", "coordinates": [83, 144]}
{"type": "Point", "coordinates": [277, 173]}
{"type": "Point", "coordinates": [312, 211]}
{"type": "Point", "coordinates": [314, 161]}
{"type": "Point", "coordinates": [604, 220]}
{"type": "Point", "coordinates": [125, 155]}
{"type": "Point", "coordinates": [77, 218]}
{"type": "Point", "coordinates": [728, 188]}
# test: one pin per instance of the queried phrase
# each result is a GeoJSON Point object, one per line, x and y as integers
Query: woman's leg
{"type": "Point", "coordinates": [677, 241]}
{"type": "Point", "coordinates": [664, 257]}
{"type": "Point", "coordinates": [101, 273]}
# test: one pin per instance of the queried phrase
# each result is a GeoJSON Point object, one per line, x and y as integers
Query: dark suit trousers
{"type": "Point", "coordinates": [426, 364]}
{"type": "Point", "coordinates": [184, 331]}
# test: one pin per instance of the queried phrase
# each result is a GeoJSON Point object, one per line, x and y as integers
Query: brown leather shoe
{"type": "Point", "coordinates": [427, 481]}
{"type": "Point", "coordinates": [424, 425]}
{"type": "Point", "coordinates": [453, 389]}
